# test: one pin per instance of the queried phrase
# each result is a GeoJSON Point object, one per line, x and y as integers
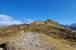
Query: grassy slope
{"type": "Point", "coordinates": [52, 31]}
{"type": "Point", "coordinates": [58, 36]}
{"type": "Point", "coordinates": [10, 32]}
{"type": "Point", "coordinates": [56, 43]}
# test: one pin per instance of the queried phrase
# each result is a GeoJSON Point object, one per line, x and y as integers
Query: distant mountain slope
{"type": "Point", "coordinates": [72, 26]}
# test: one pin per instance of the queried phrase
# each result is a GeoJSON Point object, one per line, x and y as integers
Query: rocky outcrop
{"type": "Point", "coordinates": [30, 41]}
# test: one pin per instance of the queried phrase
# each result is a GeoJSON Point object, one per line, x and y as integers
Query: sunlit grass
{"type": "Point", "coordinates": [56, 43]}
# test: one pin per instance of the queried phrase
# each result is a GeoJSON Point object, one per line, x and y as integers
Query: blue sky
{"type": "Point", "coordinates": [26, 11]}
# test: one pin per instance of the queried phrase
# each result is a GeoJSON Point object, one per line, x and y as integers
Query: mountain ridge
{"type": "Point", "coordinates": [51, 33]}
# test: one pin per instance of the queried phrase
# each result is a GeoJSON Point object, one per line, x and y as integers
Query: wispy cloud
{"type": "Point", "coordinates": [28, 21]}
{"type": "Point", "coordinates": [8, 20]}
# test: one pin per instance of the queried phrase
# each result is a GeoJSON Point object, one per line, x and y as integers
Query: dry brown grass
{"type": "Point", "coordinates": [56, 43]}
{"type": "Point", "coordinates": [6, 39]}
{"type": "Point", "coordinates": [11, 32]}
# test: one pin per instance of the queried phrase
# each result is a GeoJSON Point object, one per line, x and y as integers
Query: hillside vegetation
{"type": "Point", "coordinates": [52, 29]}
{"type": "Point", "coordinates": [11, 32]}
{"type": "Point", "coordinates": [58, 35]}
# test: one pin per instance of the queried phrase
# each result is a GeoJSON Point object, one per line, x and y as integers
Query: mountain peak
{"type": "Point", "coordinates": [49, 21]}
{"type": "Point", "coordinates": [38, 22]}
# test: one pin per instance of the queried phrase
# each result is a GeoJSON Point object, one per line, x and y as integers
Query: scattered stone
{"type": "Point", "coordinates": [30, 41]}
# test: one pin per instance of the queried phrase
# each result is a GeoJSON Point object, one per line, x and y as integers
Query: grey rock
{"type": "Point", "coordinates": [29, 41]}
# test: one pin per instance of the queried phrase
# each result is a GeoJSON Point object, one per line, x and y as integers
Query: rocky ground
{"type": "Point", "coordinates": [30, 41]}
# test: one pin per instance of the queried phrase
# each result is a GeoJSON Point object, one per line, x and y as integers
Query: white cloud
{"type": "Point", "coordinates": [28, 21]}
{"type": "Point", "coordinates": [8, 20]}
